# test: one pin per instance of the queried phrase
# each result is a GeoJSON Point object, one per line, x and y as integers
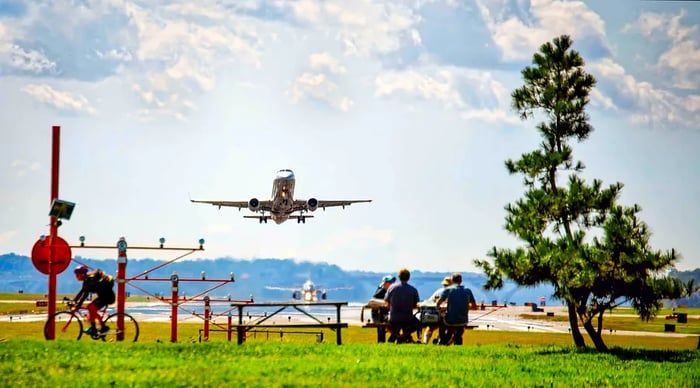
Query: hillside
{"type": "Point", "coordinates": [251, 277]}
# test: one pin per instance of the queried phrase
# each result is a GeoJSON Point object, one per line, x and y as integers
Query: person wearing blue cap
{"type": "Point", "coordinates": [380, 315]}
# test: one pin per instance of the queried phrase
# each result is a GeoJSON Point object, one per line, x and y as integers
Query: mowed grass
{"type": "Point", "coordinates": [274, 359]}
{"type": "Point", "coordinates": [275, 364]}
{"type": "Point", "coordinates": [161, 332]}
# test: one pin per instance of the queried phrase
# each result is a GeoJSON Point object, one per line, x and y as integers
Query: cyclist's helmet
{"type": "Point", "coordinates": [82, 269]}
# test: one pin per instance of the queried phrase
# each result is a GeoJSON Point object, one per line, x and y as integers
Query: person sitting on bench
{"type": "Point", "coordinates": [402, 298]}
{"type": "Point", "coordinates": [458, 300]}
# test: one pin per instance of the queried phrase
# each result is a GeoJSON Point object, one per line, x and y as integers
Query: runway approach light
{"type": "Point", "coordinates": [82, 241]}
{"type": "Point", "coordinates": [162, 241]}
{"type": "Point", "coordinates": [201, 243]}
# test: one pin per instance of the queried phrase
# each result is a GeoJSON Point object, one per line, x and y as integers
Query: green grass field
{"type": "Point", "coordinates": [488, 358]}
{"type": "Point", "coordinates": [275, 364]}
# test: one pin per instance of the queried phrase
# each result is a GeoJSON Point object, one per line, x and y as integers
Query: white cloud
{"type": "Point", "coordinates": [439, 87]}
{"type": "Point", "coordinates": [598, 98]}
{"type": "Point", "coordinates": [180, 55]}
{"type": "Point", "coordinates": [491, 116]}
{"type": "Point", "coordinates": [473, 93]}
{"type": "Point", "coordinates": [58, 99]}
{"type": "Point", "coordinates": [16, 57]}
{"type": "Point", "coordinates": [322, 61]}
{"type": "Point", "coordinates": [318, 87]}
{"type": "Point", "coordinates": [308, 10]}
{"type": "Point", "coordinates": [652, 24]}
{"type": "Point", "coordinates": [682, 58]}
{"type": "Point", "coordinates": [22, 167]}
{"type": "Point", "coordinates": [649, 105]}
{"type": "Point", "coordinates": [121, 54]}
{"type": "Point", "coordinates": [365, 28]}
{"type": "Point", "coordinates": [518, 37]}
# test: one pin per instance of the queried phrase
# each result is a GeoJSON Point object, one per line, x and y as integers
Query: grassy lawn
{"type": "Point", "coordinates": [274, 364]}
{"type": "Point", "coordinates": [274, 359]}
{"type": "Point", "coordinates": [190, 332]}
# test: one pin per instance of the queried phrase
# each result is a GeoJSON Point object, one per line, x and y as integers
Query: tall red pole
{"type": "Point", "coordinates": [173, 309]}
{"type": "Point", "coordinates": [207, 317]}
{"type": "Point", "coordinates": [121, 286]}
{"type": "Point", "coordinates": [53, 222]}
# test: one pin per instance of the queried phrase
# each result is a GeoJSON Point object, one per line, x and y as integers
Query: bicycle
{"type": "Point", "coordinates": [68, 324]}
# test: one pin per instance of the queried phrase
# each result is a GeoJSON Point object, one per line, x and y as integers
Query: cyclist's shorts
{"type": "Point", "coordinates": [104, 299]}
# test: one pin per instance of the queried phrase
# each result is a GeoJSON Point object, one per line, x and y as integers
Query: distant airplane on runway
{"type": "Point", "coordinates": [282, 205]}
{"type": "Point", "coordinates": [309, 292]}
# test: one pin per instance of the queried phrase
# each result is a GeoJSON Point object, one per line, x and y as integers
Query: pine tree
{"type": "Point", "coordinates": [553, 220]}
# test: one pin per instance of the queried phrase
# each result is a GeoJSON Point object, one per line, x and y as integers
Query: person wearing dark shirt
{"type": "Point", "coordinates": [381, 314]}
{"type": "Point", "coordinates": [402, 298]}
{"type": "Point", "coordinates": [100, 284]}
{"type": "Point", "coordinates": [458, 299]}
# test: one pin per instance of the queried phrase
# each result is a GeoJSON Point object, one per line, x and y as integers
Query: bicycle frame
{"type": "Point", "coordinates": [70, 323]}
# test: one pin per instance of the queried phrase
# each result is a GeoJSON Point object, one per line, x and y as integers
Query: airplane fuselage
{"type": "Point", "coordinates": [282, 196]}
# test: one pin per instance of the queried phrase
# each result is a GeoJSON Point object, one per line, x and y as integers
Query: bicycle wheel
{"type": "Point", "coordinates": [66, 324]}
{"type": "Point", "coordinates": [130, 332]}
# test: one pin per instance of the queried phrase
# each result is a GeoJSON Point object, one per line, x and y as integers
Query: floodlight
{"type": "Point", "coordinates": [61, 209]}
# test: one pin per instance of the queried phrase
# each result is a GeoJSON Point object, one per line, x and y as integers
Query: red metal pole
{"type": "Point", "coordinates": [229, 329]}
{"type": "Point", "coordinates": [207, 316]}
{"type": "Point", "coordinates": [121, 286]}
{"type": "Point", "coordinates": [55, 150]}
{"type": "Point", "coordinates": [173, 309]}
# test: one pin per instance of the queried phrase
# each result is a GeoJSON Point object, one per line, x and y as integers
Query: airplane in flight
{"type": "Point", "coordinates": [309, 292]}
{"type": "Point", "coordinates": [282, 206]}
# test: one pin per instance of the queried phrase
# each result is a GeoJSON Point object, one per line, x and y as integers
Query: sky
{"type": "Point", "coordinates": [405, 102]}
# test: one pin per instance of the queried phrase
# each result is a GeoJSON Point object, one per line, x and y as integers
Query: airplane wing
{"type": "Point", "coordinates": [324, 204]}
{"type": "Point", "coordinates": [264, 205]}
{"type": "Point", "coordinates": [337, 288]}
{"type": "Point", "coordinates": [300, 204]}
{"type": "Point", "coordinates": [282, 288]}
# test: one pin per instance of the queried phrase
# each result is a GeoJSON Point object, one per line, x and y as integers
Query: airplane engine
{"type": "Point", "coordinates": [296, 295]}
{"type": "Point", "coordinates": [253, 204]}
{"type": "Point", "coordinates": [312, 204]}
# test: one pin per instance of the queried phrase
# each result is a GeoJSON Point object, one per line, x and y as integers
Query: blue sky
{"type": "Point", "coordinates": [404, 102]}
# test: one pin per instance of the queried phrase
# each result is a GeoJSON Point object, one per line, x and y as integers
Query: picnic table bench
{"type": "Point", "coordinates": [243, 327]}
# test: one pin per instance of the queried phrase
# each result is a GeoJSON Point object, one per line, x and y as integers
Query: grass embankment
{"type": "Point", "coordinates": [159, 332]}
{"type": "Point", "coordinates": [79, 363]}
{"type": "Point", "coordinates": [489, 358]}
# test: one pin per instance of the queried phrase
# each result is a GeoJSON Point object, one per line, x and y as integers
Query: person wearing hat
{"type": "Point", "coordinates": [458, 299]}
{"type": "Point", "coordinates": [381, 314]}
{"type": "Point", "coordinates": [432, 301]}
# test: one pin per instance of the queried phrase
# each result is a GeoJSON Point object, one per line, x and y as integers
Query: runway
{"type": "Point", "coordinates": [501, 319]}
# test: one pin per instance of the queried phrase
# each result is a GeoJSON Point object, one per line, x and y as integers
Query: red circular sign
{"type": "Point", "coordinates": [41, 252]}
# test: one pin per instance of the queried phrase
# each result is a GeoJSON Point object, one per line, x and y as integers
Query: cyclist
{"type": "Point", "coordinates": [99, 283]}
